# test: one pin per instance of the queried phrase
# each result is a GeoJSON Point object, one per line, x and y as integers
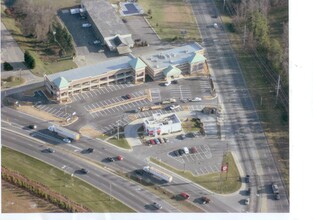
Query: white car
{"type": "Point", "coordinates": [215, 25]}
{"type": "Point", "coordinates": [86, 25]}
{"type": "Point", "coordinates": [247, 201]}
{"type": "Point", "coordinates": [167, 83]}
{"type": "Point", "coordinates": [96, 42]}
{"type": "Point", "coordinates": [172, 107]}
{"type": "Point", "coordinates": [66, 140]}
{"type": "Point", "coordinates": [197, 99]}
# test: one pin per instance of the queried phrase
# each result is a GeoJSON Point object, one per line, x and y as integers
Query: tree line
{"type": "Point", "coordinates": [251, 20]}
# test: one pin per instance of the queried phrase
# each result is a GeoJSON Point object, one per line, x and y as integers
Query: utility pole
{"type": "Point", "coordinates": [277, 91]}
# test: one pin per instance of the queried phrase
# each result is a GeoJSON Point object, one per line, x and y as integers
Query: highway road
{"type": "Point", "coordinates": [131, 194]}
{"type": "Point", "coordinates": [242, 128]}
{"type": "Point", "coordinates": [18, 122]}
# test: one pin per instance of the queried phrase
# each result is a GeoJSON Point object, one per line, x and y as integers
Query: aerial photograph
{"type": "Point", "coordinates": [145, 106]}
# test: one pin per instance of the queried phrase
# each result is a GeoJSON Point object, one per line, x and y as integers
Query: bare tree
{"type": "Point", "coordinates": [35, 19]}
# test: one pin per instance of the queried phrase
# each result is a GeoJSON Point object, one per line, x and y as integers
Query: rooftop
{"type": "Point", "coordinates": [159, 119]}
{"type": "Point", "coordinates": [61, 78]}
{"type": "Point", "coordinates": [176, 56]}
{"type": "Point", "coordinates": [104, 16]}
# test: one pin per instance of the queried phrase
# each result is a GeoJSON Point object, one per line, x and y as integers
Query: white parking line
{"type": "Point", "coordinates": [54, 111]}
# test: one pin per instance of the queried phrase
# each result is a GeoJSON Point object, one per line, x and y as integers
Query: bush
{"type": "Point", "coordinates": [29, 60]}
{"type": "Point", "coordinates": [7, 66]}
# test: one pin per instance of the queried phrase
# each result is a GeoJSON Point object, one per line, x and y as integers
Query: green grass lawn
{"type": "Point", "coordinates": [191, 125]}
{"type": "Point", "coordinates": [17, 82]}
{"type": "Point", "coordinates": [223, 183]}
{"type": "Point", "coordinates": [121, 142]}
{"type": "Point", "coordinates": [170, 17]}
{"type": "Point", "coordinates": [58, 181]}
{"type": "Point", "coordinates": [46, 63]}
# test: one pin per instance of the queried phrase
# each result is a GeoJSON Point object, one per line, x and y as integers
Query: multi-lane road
{"type": "Point", "coordinates": [241, 130]}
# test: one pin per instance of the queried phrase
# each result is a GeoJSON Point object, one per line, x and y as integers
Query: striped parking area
{"type": "Point", "coordinates": [155, 94]}
{"type": "Point", "coordinates": [202, 156]}
{"type": "Point", "coordinates": [205, 87]}
{"type": "Point", "coordinates": [118, 108]}
{"type": "Point", "coordinates": [196, 107]}
{"type": "Point", "coordinates": [109, 128]}
{"type": "Point", "coordinates": [181, 92]}
{"type": "Point", "coordinates": [100, 91]}
{"type": "Point", "coordinates": [57, 111]}
{"type": "Point", "coordinates": [161, 111]}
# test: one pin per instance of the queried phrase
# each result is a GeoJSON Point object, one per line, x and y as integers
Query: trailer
{"type": "Point", "coordinates": [158, 173]}
{"type": "Point", "coordinates": [169, 101]}
{"type": "Point", "coordinates": [154, 107]}
{"type": "Point", "coordinates": [64, 132]}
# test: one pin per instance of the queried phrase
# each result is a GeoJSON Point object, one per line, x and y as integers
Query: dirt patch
{"type": "Point", "coordinates": [90, 132]}
{"type": "Point", "coordinates": [17, 200]}
{"type": "Point", "coordinates": [40, 114]}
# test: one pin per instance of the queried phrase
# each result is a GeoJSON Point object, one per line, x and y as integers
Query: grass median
{"type": "Point", "coordinates": [59, 181]}
{"type": "Point", "coordinates": [221, 182]}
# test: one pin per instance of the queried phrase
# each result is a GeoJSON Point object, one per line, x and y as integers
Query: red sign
{"type": "Point", "coordinates": [224, 168]}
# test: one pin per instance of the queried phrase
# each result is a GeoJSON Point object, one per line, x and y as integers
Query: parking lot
{"type": "Point", "coordinates": [87, 52]}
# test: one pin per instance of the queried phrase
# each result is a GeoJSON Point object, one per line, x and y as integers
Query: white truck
{"type": "Point", "coordinates": [158, 173]}
{"type": "Point", "coordinates": [64, 132]}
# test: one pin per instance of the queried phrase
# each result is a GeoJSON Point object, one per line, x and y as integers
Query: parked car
{"type": "Point", "coordinates": [156, 205]}
{"type": "Point", "coordinates": [83, 171]}
{"type": "Point", "coordinates": [247, 201]}
{"type": "Point", "coordinates": [66, 140]}
{"type": "Point", "coordinates": [247, 178]}
{"type": "Point", "coordinates": [196, 99]}
{"type": "Point", "coordinates": [139, 172]}
{"type": "Point", "coordinates": [167, 83]}
{"type": "Point", "coordinates": [182, 136]}
{"type": "Point", "coordinates": [166, 140]}
{"type": "Point", "coordinates": [161, 140]}
{"type": "Point", "coordinates": [176, 153]}
{"type": "Point", "coordinates": [277, 196]}
{"type": "Point", "coordinates": [86, 25]}
{"type": "Point", "coordinates": [157, 141]}
{"type": "Point", "coordinates": [184, 195]}
{"type": "Point", "coordinates": [275, 188]}
{"type": "Point", "coordinates": [248, 191]}
{"type": "Point", "coordinates": [96, 42]}
{"type": "Point", "coordinates": [32, 126]}
{"type": "Point", "coordinates": [175, 82]}
{"type": "Point", "coordinates": [215, 25]}
{"type": "Point", "coordinates": [128, 96]}
{"type": "Point", "coordinates": [205, 200]}
{"type": "Point", "coordinates": [152, 141]}
{"type": "Point", "coordinates": [181, 151]}
{"type": "Point", "coordinates": [193, 150]}
{"type": "Point", "coordinates": [186, 150]}
{"type": "Point", "coordinates": [119, 157]}
{"type": "Point", "coordinates": [172, 107]}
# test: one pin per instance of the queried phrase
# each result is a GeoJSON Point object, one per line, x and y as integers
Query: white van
{"type": "Point", "coordinates": [186, 150]}
{"type": "Point", "coordinates": [167, 83]}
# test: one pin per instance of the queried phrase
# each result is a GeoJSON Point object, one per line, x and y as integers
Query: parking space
{"type": "Point", "coordinates": [99, 92]}
{"type": "Point", "coordinates": [112, 127]}
{"type": "Point", "coordinates": [197, 162]}
{"type": "Point", "coordinates": [56, 110]}
{"type": "Point", "coordinates": [140, 29]}
{"type": "Point", "coordinates": [161, 111]}
{"type": "Point", "coordinates": [181, 92]}
{"type": "Point", "coordinates": [155, 94]}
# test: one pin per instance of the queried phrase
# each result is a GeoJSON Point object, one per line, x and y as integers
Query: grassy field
{"type": "Point", "coordinates": [58, 181]}
{"type": "Point", "coordinates": [121, 142]}
{"type": "Point", "coordinates": [191, 125]}
{"type": "Point", "coordinates": [274, 120]}
{"type": "Point", "coordinates": [17, 82]}
{"type": "Point", "coordinates": [44, 53]}
{"type": "Point", "coordinates": [222, 183]}
{"type": "Point", "coordinates": [170, 17]}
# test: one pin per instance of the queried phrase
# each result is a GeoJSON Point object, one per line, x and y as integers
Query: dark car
{"type": "Point", "coordinates": [205, 200]}
{"type": "Point", "coordinates": [161, 140]}
{"type": "Point", "coordinates": [176, 153]}
{"type": "Point", "coordinates": [50, 150]}
{"type": "Point", "coordinates": [128, 96]}
{"type": "Point", "coordinates": [182, 136]}
{"type": "Point", "coordinates": [277, 196]}
{"type": "Point", "coordinates": [32, 126]}
{"type": "Point", "coordinates": [111, 159]}
{"type": "Point", "coordinates": [174, 81]}
{"type": "Point", "coordinates": [89, 150]}
{"type": "Point", "coordinates": [166, 140]}
{"type": "Point", "coordinates": [83, 171]}
{"type": "Point", "coordinates": [139, 172]}
{"type": "Point", "coordinates": [181, 151]}
{"type": "Point", "coordinates": [248, 191]}
{"type": "Point", "coordinates": [247, 178]}
{"type": "Point", "coordinates": [193, 150]}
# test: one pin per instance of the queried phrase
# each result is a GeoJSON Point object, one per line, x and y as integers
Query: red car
{"type": "Point", "coordinates": [193, 150]}
{"type": "Point", "coordinates": [119, 157]}
{"type": "Point", "coordinates": [152, 141]}
{"type": "Point", "coordinates": [184, 195]}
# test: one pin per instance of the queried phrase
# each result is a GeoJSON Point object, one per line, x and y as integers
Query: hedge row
{"type": "Point", "coordinates": [41, 191]}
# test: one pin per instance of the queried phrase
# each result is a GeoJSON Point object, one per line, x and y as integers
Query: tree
{"type": "Point", "coordinates": [275, 55]}
{"type": "Point", "coordinates": [29, 60]}
{"type": "Point", "coordinates": [7, 66]}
